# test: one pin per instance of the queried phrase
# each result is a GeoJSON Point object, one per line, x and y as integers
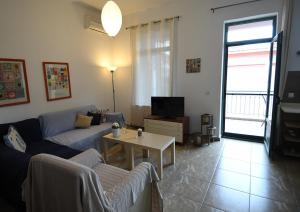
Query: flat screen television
{"type": "Point", "coordinates": [167, 106]}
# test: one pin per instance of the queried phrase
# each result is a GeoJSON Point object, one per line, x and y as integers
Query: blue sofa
{"type": "Point", "coordinates": [14, 164]}
{"type": "Point", "coordinates": [59, 128]}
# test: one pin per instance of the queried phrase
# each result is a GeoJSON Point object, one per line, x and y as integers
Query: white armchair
{"type": "Point", "coordinates": [86, 184]}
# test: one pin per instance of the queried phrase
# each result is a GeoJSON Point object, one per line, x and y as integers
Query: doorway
{"type": "Point", "coordinates": [246, 81]}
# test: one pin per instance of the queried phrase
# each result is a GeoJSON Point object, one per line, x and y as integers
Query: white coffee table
{"type": "Point", "coordinates": [148, 141]}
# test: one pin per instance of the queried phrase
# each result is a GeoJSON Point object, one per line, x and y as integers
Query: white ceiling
{"type": "Point", "coordinates": [129, 6]}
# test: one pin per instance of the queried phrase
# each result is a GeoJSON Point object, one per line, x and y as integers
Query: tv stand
{"type": "Point", "coordinates": [177, 127]}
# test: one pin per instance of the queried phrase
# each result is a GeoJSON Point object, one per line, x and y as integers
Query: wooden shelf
{"type": "Point", "coordinates": [295, 125]}
{"type": "Point", "coordinates": [290, 108]}
{"type": "Point", "coordinates": [292, 139]}
{"type": "Point", "coordinates": [291, 153]}
{"type": "Point", "coordinates": [290, 129]}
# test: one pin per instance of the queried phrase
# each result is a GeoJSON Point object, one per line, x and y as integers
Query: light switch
{"type": "Point", "coordinates": [291, 95]}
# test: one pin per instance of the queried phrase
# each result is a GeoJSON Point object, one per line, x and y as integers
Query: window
{"type": "Point", "coordinates": [152, 54]}
{"type": "Point", "coordinates": [250, 31]}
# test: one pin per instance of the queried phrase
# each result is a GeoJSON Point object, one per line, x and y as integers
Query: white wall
{"type": "Point", "coordinates": [122, 59]}
{"type": "Point", "coordinates": [53, 30]}
{"type": "Point", "coordinates": [293, 58]}
{"type": "Point", "coordinates": [200, 34]}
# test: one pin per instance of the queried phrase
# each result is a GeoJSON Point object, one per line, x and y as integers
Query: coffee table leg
{"type": "Point", "coordinates": [173, 153]}
{"type": "Point", "coordinates": [105, 151]}
{"type": "Point", "coordinates": [130, 156]}
{"type": "Point", "coordinates": [160, 165]}
{"type": "Point", "coordinates": [146, 153]}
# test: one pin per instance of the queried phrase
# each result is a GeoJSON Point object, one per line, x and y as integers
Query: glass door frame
{"type": "Point", "coordinates": [271, 125]}
{"type": "Point", "coordinates": [225, 69]}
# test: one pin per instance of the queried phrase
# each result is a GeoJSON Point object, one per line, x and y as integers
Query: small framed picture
{"type": "Point", "coordinates": [193, 65]}
{"type": "Point", "coordinates": [57, 80]}
{"type": "Point", "coordinates": [13, 82]}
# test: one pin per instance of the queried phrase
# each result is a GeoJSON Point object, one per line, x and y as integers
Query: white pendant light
{"type": "Point", "coordinates": [111, 18]}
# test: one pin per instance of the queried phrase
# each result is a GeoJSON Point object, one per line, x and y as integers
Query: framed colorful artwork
{"type": "Point", "coordinates": [13, 82]}
{"type": "Point", "coordinates": [57, 80]}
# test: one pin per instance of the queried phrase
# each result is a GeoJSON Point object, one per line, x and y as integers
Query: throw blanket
{"type": "Point", "coordinates": [124, 194]}
{"type": "Point", "coordinates": [55, 184]}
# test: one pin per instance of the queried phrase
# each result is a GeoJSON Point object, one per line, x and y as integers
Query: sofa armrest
{"type": "Point", "coordinates": [56, 184]}
{"type": "Point", "coordinates": [125, 194]}
{"type": "Point", "coordinates": [90, 158]}
{"type": "Point", "coordinates": [13, 165]}
{"type": "Point", "coordinates": [115, 117]}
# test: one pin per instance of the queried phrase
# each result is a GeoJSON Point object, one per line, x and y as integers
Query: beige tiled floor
{"type": "Point", "coordinates": [230, 176]}
{"type": "Point", "coordinates": [227, 176]}
{"type": "Point", "coordinates": [256, 128]}
{"type": "Point", "coordinates": [247, 180]}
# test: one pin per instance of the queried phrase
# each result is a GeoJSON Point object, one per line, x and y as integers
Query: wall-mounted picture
{"type": "Point", "coordinates": [57, 80]}
{"type": "Point", "coordinates": [13, 82]}
{"type": "Point", "coordinates": [193, 65]}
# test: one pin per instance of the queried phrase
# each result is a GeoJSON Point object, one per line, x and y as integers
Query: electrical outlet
{"type": "Point", "coordinates": [291, 95]}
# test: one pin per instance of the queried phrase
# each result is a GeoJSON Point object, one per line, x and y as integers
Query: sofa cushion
{"type": "Point", "coordinates": [51, 148]}
{"type": "Point", "coordinates": [82, 139]}
{"type": "Point", "coordinates": [29, 130]}
{"type": "Point", "coordinates": [14, 140]}
{"type": "Point", "coordinates": [83, 122]}
{"type": "Point", "coordinates": [96, 117]}
{"type": "Point", "coordinates": [58, 122]}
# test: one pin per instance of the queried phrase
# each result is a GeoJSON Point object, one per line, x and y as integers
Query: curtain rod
{"type": "Point", "coordinates": [231, 5]}
{"type": "Point", "coordinates": [154, 22]}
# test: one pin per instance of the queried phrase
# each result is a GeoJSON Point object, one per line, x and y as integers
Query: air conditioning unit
{"type": "Point", "coordinates": [92, 24]}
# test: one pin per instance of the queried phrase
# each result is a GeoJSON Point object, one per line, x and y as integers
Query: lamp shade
{"type": "Point", "coordinates": [111, 18]}
{"type": "Point", "coordinates": [112, 68]}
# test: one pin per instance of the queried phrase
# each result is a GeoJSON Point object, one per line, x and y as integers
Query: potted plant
{"type": "Point", "coordinates": [115, 129]}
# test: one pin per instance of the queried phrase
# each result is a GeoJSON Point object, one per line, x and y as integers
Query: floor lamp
{"type": "Point", "coordinates": [112, 71]}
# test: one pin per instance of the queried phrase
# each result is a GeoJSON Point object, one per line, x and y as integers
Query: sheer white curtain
{"type": "Point", "coordinates": [153, 64]}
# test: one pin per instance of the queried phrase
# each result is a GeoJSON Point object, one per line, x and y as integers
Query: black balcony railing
{"type": "Point", "coordinates": [246, 105]}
